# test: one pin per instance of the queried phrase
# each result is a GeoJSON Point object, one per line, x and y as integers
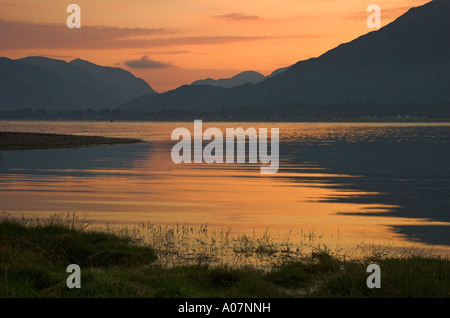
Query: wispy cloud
{"type": "Point", "coordinates": [52, 56]}
{"type": "Point", "coordinates": [24, 35]}
{"type": "Point", "coordinates": [13, 5]}
{"type": "Point", "coordinates": [198, 40]}
{"type": "Point", "coordinates": [19, 35]}
{"type": "Point", "coordinates": [169, 52]}
{"type": "Point", "coordinates": [391, 13]}
{"type": "Point", "coordinates": [146, 62]}
{"type": "Point", "coordinates": [237, 16]}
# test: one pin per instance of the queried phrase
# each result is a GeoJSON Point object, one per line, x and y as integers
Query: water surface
{"type": "Point", "coordinates": [348, 184]}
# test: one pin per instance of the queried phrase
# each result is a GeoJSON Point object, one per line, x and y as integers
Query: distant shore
{"type": "Point", "coordinates": [25, 141]}
{"type": "Point", "coordinates": [289, 112]}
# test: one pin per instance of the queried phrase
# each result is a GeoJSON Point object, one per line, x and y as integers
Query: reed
{"type": "Point", "coordinates": [183, 260]}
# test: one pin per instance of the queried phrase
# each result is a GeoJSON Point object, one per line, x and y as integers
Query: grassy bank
{"type": "Point", "coordinates": [22, 141]}
{"type": "Point", "coordinates": [35, 253]}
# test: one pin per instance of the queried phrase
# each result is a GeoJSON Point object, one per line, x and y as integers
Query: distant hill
{"type": "Point", "coordinates": [239, 79]}
{"type": "Point", "coordinates": [407, 61]}
{"type": "Point", "coordinates": [128, 86]}
{"type": "Point", "coordinates": [39, 82]}
{"type": "Point", "coordinates": [278, 71]}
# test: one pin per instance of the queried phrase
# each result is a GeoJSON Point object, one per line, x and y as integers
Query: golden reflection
{"type": "Point", "coordinates": [299, 198]}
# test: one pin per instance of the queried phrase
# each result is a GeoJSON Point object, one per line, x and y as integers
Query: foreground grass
{"type": "Point", "coordinates": [34, 255]}
{"type": "Point", "coordinates": [22, 141]}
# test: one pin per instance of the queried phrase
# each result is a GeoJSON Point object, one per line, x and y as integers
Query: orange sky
{"type": "Point", "coordinates": [174, 42]}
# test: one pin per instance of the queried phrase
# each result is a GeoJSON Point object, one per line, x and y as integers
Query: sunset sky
{"type": "Point", "coordinates": [174, 42]}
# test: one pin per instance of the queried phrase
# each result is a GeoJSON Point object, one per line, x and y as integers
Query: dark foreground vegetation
{"type": "Point", "coordinates": [19, 140]}
{"type": "Point", "coordinates": [296, 112]}
{"type": "Point", "coordinates": [34, 256]}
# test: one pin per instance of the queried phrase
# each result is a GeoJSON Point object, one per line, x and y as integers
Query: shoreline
{"type": "Point", "coordinates": [29, 141]}
{"type": "Point", "coordinates": [444, 120]}
{"type": "Point", "coordinates": [117, 264]}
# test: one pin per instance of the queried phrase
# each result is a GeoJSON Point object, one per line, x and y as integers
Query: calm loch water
{"type": "Point", "coordinates": [348, 183]}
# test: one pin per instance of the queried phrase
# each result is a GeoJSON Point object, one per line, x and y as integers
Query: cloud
{"type": "Point", "coordinates": [388, 14]}
{"type": "Point", "coordinates": [146, 62]}
{"type": "Point", "coordinates": [198, 40]}
{"type": "Point", "coordinates": [52, 56]}
{"type": "Point", "coordinates": [237, 16]}
{"type": "Point", "coordinates": [24, 35]}
{"type": "Point", "coordinates": [32, 6]}
{"type": "Point", "coordinates": [166, 52]}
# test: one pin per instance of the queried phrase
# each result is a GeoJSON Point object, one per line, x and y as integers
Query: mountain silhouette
{"type": "Point", "coordinates": [127, 84]}
{"type": "Point", "coordinates": [278, 71]}
{"type": "Point", "coordinates": [40, 82]}
{"type": "Point", "coordinates": [239, 79]}
{"type": "Point", "coordinates": [407, 61]}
